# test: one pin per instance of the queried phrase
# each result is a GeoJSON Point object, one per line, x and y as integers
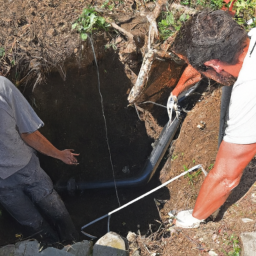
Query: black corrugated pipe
{"type": "Point", "coordinates": [149, 168]}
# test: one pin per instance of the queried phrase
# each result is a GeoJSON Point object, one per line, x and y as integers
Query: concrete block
{"type": "Point", "coordinates": [249, 243]}
{"type": "Point", "coordinates": [83, 248]}
{"type": "Point", "coordinates": [50, 251]}
{"type": "Point", "coordinates": [26, 248]}
{"type": "Point", "coordinates": [7, 250]}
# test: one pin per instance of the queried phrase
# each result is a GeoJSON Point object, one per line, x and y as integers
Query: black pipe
{"type": "Point", "coordinates": [143, 177]}
{"type": "Point", "coordinates": [149, 168]}
{"type": "Point", "coordinates": [225, 99]}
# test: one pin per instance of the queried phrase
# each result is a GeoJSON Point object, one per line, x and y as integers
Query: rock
{"type": "Point", "coordinates": [253, 197]}
{"type": "Point", "coordinates": [201, 125]}
{"type": "Point", "coordinates": [51, 32]}
{"type": "Point", "coordinates": [246, 220]}
{"type": "Point", "coordinates": [214, 237]}
{"type": "Point", "coordinates": [50, 251]}
{"type": "Point", "coordinates": [111, 244]}
{"type": "Point", "coordinates": [26, 248]}
{"type": "Point", "coordinates": [131, 237]}
{"type": "Point", "coordinates": [212, 253]}
{"type": "Point", "coordinates": [249, 243]}
{"type": "Point", "coordinates": [83, 248]}
{"type": "Point", "coordinates": [7, 250]}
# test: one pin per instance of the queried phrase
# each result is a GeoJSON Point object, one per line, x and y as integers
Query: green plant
{"type": "Point", "coordinates": [2, 52]}
{"type": "Point", "coordinates": [88, 21]}
{"type": "Point", "coordinates": [245, 11]}
{"type": "Point", "coordinates": [234, 243]}
{"type": "Point", "coordinates": [108, 5]}
{"type": "Point", "coordinates": [192, 176]}
{"type": "Point", "coordinates": [216, 4]}
{"type": "Point", "coordinates": [185, 2]}
{"type": "Point", "coordinates": [210, 166]}
{"type": "Point", "coordinates": [174, 157]}
{"type": "Point", "coordinates": [168, 24]}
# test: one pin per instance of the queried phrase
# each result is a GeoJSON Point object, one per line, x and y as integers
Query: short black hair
{"type": "Point", "coordinates": [210, 35]}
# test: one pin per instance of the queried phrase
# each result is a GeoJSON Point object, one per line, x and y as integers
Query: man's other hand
{"type": "Point", "coordinates": [68, 157]}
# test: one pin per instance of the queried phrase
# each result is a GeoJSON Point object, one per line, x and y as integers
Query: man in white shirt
{"type": "Point", "coordinates": [215, 46]}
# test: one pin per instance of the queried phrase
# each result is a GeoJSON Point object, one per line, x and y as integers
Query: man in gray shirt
{"type": "Point", "coordinates": [24, 186]}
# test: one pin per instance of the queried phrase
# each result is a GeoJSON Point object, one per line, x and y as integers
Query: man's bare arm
{"type": "Point", "coordinates": [189, 77]}
{"type": "Point", "coordinates": [37, 141]}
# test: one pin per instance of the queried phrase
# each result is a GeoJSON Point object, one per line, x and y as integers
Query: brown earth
{"type": "Point", "coordinates": [199, 146]}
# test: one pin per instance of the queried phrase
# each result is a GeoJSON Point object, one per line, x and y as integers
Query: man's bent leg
{"type": "Point", "coordinates": [23, 211]}
{"type": "Point", "coordinates": [54, 208]}
{"type": "Point", "coordinates": [225, 176]}
{"type": "Point", "coordinates": [40, 189]}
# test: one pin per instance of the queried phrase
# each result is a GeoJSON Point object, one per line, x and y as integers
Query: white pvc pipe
{"type": "Point", "coordinates": [146, 194]}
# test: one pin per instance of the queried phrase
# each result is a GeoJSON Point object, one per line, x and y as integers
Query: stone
{"type": "Point", "coordinates": [212, 253]}
{"type": "Point", "coordinates": [7, 250]}
{"type": "Point", "coordinates": [131, 237]}
{"type": "Point", "coordinates": [249, 243]}
{"type": "Point", "coordinates": [83, 248]}
{"type": "Point", "coordinates": [246, 220]}
{"type": "Point", "coordinates": [111, 244]}
{"type": "Point", "coordinates": [50, 251]}
{"type": "Point", "coordinates": [26, 248]}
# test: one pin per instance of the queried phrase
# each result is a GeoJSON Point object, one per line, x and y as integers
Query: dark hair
{"type": "Point", "coordinates": [210, 35]}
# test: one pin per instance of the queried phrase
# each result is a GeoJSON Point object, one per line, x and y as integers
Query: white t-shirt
{"type": "Point", "coordinates": [241, 123]}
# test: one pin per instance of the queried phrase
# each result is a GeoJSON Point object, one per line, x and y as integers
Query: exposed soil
{"type": "Point", "coordinates": [199, 146]}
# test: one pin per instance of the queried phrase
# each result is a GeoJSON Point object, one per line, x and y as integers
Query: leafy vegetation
{"type": "Point", "coordinates": [234, 243]}
{"type": "Point", "coordinates": [192, 176]}
{"type": "Point", "coordinates": [88, 21]}
{"type": "Point", "coordinates": [169, 23]}
{"type": "Point", "coordinates": [245, 10]}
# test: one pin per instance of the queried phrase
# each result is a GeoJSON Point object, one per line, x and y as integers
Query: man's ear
{"type": "Point", "coordinates": [215, 64]}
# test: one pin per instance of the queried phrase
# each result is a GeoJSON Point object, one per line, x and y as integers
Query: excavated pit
{"type": "Point", "coordinates": [71, 111]}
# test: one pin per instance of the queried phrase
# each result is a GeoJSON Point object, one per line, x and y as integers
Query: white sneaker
{"type": "Point", "coordinates": [184, 219]}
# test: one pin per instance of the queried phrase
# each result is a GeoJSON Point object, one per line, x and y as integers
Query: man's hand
{"type": "Point", "coordinates": [172, 105]}
{"type": "Point", "coordinates": [37, 141]}
{"type": "Point", "coordinates": [68, 157]}
{"type": "Point", "coordinates": [184, 219]}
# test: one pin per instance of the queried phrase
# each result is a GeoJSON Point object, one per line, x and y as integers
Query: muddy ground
{"type": "Point", "coordinates": [72, 113]}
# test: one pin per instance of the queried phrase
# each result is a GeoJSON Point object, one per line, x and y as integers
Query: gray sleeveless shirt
{"type": "Point", "coordinates": [16, 117]}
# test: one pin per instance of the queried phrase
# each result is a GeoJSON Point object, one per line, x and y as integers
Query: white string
{"type": "Point", "coordinates": [105, 121]}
